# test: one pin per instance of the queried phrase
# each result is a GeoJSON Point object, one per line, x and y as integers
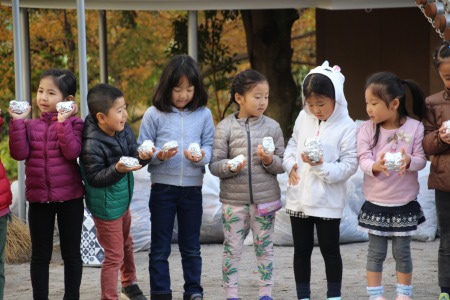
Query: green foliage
{"type": "Point", "coordinates": [213, 54]}
{"type": "Point", "coordinates": [9, 163]}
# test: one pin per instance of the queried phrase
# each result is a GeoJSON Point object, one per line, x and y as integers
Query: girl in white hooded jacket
{"type": "Point", "coordinates": [317, 176]}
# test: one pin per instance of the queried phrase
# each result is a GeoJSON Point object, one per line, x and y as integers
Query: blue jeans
{"type": "Point", "coordinates": [166, 201]}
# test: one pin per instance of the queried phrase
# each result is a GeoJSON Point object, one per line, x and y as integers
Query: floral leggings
{"type": "Point", "coordinates": [237, 221]}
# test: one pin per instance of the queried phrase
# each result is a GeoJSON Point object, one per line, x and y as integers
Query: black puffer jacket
{"type": "Point", "coordinates": [108, 192]}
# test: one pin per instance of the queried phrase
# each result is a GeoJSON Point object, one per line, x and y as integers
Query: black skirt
{"type": "Point", "coordinates": [390, 220]}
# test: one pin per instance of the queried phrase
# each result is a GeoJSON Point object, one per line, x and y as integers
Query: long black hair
{"type": "Point", "coordinates": [65, 80]}
{"type": "Point", "coordinates": [242, 83]}
{"type": "Point", "coordinates": [388, 86]}
{"type": "Point", "coordinates": [179, 66]}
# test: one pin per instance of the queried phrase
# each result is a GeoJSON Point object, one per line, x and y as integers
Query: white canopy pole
{"type": "Point", "coordinates": [19, 96]}
{"type": "Point", "coordinates": [192, 35]}
{"type": "Point", "coordinates": [82, 62]}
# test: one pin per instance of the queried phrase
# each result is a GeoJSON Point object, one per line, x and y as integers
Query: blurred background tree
{"type": "Point", "coordinates": [139, 44]}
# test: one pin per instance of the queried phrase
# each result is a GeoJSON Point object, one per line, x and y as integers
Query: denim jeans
{"type": "Point", "coordinates": [166, 202]}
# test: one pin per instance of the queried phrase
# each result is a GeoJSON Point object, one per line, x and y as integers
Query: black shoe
{"type": "Point", "coordinates": [133, 292]}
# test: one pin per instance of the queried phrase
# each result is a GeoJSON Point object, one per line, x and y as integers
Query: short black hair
{"type": "Point", "coordinates": [101, 98]}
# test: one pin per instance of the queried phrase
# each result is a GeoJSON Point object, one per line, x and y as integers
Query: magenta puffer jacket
{"type": "Point", "coordinates": [50, 150]}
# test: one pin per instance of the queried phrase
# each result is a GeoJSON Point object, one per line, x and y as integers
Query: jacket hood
{"type": "Point", "coordinates": [337, 79]}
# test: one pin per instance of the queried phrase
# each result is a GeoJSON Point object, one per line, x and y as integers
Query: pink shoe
{"type": "Point", "coordinates": [403, 297]}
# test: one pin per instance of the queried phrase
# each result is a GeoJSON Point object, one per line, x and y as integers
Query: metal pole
{"type": "Point", "coordinates": [82, 61]}
{"type": "Point", "coordinates": [19, 96]}
{"type": "Point", "coordinates": [192, 35]}
{"type": "Point", "coordinates": [103, 46]}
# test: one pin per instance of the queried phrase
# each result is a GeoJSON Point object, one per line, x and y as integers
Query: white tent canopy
{"type": "Point", "coordinates": [212, 4]}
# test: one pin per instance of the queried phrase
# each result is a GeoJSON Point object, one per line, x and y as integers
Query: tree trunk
{"type": "Point", "coordinates": [268, 34]}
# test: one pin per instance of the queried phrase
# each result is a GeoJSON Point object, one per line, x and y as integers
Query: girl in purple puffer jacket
{"type": "Point", "coordinates": [50, 146]}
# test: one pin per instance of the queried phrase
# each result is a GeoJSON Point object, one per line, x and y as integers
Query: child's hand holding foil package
{"type": "Point", "coordinates": [168, 150]}
{"type": "Point", "coordinates": [194, 153]}
{"type": "Point", "coordinates": [19, 109]}
{"type": "Point", "coordinates": [313, 152]}
{"type": "Point", "coordinates": [236, 164]}
{"type": "Point", "coordinates": [127, 164]}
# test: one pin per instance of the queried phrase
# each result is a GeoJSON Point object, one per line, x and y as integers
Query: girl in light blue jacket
{"type": "Point", "coordinates": [179, 117]}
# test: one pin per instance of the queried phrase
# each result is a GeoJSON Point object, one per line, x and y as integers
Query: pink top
{"type": "Point", "coordinates": [393, 189]}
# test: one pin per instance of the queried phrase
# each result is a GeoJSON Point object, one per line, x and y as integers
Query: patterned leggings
{"type": "Point", "coordinates": [237, 221]}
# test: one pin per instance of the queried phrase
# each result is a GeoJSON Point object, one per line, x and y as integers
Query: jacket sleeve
{"type": "Point", "coordinates": [276, 167]}
{"type": "Point", "coordinates": [219, 160]}
{"type": "Point", "coordinates": [133, 146]}
{"type": "Point", "coordinates": [346, 165]}
{"type": "Point", "coordinates": [69, 135]}
{"type": "Point", "coordinates": [97, 174]}
{"type": "Point", "coordinates": [290, 154]}
{"type": "Point", "coordinates": [19, 147]}
{"type": "Point", "coordinates": [418, 158]}
{"type": "Point", "coordinates": [207, 139]}
{"type": "Point", "coordinates": [147, 131]}
{"type": "Point", "coordinates": [432, 144]}
{"type": "Point", "coordinates": [365, 154]}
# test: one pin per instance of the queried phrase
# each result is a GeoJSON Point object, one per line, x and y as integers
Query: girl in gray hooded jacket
{"type": "Point", "coordinates": [249, 189]}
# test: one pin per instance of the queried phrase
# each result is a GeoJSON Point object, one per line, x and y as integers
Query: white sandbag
{"type": "Point", "coordinates": [140, 213]}
{"type": "Point", "coordinates": [426, 232]}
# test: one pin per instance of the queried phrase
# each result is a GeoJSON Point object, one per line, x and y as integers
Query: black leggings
{"type": "Point", "coordinates": [41, 220]}
{"type": "Point", "coordinates": [328, 237]}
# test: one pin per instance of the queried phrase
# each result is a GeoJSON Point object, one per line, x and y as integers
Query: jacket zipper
{"type": "Point", "coordinates": [46, 163]}
{"type": "Point", "coordinates": [182, 147]}
{"type": "Point", "coordinates": [249, 160]}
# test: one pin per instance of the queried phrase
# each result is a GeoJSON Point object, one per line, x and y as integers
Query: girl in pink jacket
{"type": "Point", "coordinates": [50, 146]}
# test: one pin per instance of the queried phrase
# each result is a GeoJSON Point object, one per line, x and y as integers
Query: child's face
{"type": "Point", "coordinates": [48, 95]}
{"type": "Point", "coordinates": [114, 121]}
{"type": "Point", "coordinates": [254, 102]}
{"type": "Point", "coordinates": [320, 106]}
{"type": "Point", "coordinates": [444, 72]}
{"type": "Point", "coordinates": [182, 94]}
{"type": "Point", "coordinates": [378, 111]}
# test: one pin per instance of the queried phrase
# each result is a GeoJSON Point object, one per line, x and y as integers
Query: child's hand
{"type": "Point", "coordinates": [121, 168]}
{"type": "Point", "coordinates": [239, 167]}
{"type": "Point", "coordinates": [406, 159]}
{"type": "Point", "coordinates": [266, 158]}
{"type": "Point", "coordinates": [62, 116]}
{"type": "Point", "coordinates": [146, 155]}
{"type": "Point", "coordinates": [23, 115]}
{"type": "Point", "coordinates": [306, 159]}
{"type": "Point", "coordinates": [192, 158]}
{"type": "Point", "coordinates": [379, 166]}
{"type": "Point", "coordinates": [165, 155]}
{"type": "Point", "coordinates": [445, 137]}
{"type": "Point", "coordinates": [294, 179]}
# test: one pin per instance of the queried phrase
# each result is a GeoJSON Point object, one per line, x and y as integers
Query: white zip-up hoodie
{"type": "Point", "coordinates": [321, 191]}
